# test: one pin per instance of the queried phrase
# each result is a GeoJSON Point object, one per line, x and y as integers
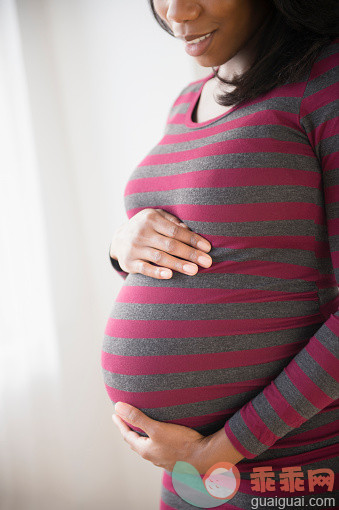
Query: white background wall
{"type": "Point", "coordinates": [101, 76]}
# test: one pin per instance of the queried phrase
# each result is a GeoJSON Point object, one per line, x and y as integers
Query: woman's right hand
{"type": "Point", "coordinates": [154, 236]}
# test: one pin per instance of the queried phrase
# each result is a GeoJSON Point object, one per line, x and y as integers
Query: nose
{"type": "Point", "coordinates": [180, 11]}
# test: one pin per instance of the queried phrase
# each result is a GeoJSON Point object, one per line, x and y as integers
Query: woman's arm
{"type": "Point", "coordinates": [310, 382]}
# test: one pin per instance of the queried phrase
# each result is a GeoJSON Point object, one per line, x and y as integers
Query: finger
{"type": "Point", "coordinates": [164, 250]}
{"type": "Point", "coordinates": [135, 417]}
{"type": "Point", "coordinates": [168, 229]}
{"type": "Point", "coordinates": [167, 260]}
{"type": "Point", "coordinates": [143, 267]}
{"type": "Point", "coordinates": [121, 425]}
{"type": "Point", "coordinates": [136, 442]}
{"type": "Point", "coordinates": [168, 216]}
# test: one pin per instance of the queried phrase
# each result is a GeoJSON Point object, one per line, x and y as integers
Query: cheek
{"type": "Point", "coordinates": [236, 14]}
{"type": "Point", "coordinates": [238, 27]}
{"type": "Point", "coordinates": [228, 9]}
{"type": "Point", "coordinates": [160, 8]}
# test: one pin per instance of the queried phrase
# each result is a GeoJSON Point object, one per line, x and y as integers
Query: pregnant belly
{"type": "Point", "coordinates": [194, 355]}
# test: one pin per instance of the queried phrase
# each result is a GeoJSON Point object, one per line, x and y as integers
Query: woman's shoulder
{"type": "Point", "coordinates": [326, 66]}
{"type": "Point", "coordinates": [322, 84]}
{"type": "Point", "coordinates": [319, 103]}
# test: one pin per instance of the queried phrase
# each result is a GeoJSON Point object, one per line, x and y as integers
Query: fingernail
{"type": "Point", "coordinates": [189, 269]}
{"type": "Point", "coordinates": [183, 225]}
{"type": "Point", "coordinates": [205, 261]}
{"type": "Point", "coordinates": [203, 245]}
{"type": "Point", "coordinates": [165, 274]}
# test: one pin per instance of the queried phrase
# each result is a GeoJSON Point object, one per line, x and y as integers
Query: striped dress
{"type": "Point", "coordinates": [251, 343]}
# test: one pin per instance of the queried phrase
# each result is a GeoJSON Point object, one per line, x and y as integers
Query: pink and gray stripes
{"type": "Point", "coordinates": [250, 343]}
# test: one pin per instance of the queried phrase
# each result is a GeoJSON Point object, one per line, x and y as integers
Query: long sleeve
{"type": "Point", "coordinates": [310, 381]}
{"type": "Point", "coordinates": [116, 266]}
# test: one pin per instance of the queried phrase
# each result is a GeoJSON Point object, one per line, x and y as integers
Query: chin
{"type": "Point", "coordinates": [207, 62]}
{"type": "Point", "coordinates": [210, 61]}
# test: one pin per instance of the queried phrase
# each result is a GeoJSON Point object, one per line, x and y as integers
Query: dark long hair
{"type": "Point", "coordinates": [288, 43]}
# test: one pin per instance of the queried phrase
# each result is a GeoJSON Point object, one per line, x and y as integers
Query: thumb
{"type": "Point", "coordinates": [134, 416]}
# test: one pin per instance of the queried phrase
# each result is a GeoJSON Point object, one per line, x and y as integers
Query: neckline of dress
{"type": "Point", "coordinates": [188, 116]}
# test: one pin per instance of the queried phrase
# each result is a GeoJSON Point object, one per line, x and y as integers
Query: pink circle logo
{"type": "Point", "coordinates": [216, 487]}
{"type": "Point", "coordinates": [222, 480]}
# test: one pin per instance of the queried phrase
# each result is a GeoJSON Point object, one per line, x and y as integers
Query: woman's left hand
{"type": "Point", "coordinates": [168, 443]}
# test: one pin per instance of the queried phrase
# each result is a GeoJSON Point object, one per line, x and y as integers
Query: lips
{"type": "Point", "coordinates": [199, 48]}
{"type": "Point", "coordinates": [191, 37]}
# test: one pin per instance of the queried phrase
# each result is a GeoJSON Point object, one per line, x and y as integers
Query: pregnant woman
{"type": "Point", "coordinates": [223, 340]}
